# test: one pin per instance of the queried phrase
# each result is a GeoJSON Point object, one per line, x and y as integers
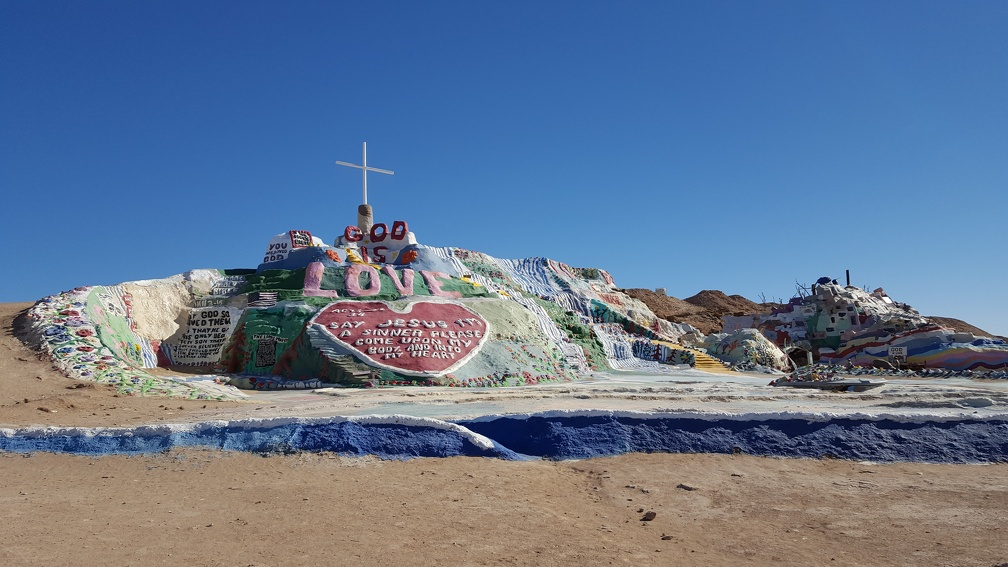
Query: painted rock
{"type": "Point", "coordinates": [427, 338]}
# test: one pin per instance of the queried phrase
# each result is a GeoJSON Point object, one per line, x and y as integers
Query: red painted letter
{"type": "Point", "coordinates": [399, 230]}
{"type": "Point", "coordinates": [353, 234]}
{"type": "Point", "coordinates": [378, 236]}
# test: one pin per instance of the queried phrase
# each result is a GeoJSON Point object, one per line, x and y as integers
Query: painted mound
{"type": "Point", "coordinates": [838, 325]}
{"type": "Point", "coordinates": [372, 310]}
{"type": "Point", "coordinates": [377, 308]}
{"type": "Point", "coordinates": [845, 325]}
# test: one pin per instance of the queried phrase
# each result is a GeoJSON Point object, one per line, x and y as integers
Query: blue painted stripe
{"type": "Point", "coordinates": [551, 436]}
{"type": "Point", "coordinates": [884, 440]}
{"type": "Point", "coordinates": [381, 437]}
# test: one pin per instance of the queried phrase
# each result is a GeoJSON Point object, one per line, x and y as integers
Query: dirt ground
{"type": "Point", "coordinates": [33, 393]}
{"type": "Point", "coordinates": [198, 507]}
{"type": "Point", "coordinates": [211, 508]}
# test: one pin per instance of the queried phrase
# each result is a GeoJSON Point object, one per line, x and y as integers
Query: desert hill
{"type": "Point", "coordinates": [706, 309]}
{"type": "Point", "coordinates": [960, 326]}
{"type": "Point", "coordinates": [703, 310]}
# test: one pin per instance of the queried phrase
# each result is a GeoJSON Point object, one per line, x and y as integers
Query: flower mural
{"type": "Point", "coordinates": [66, 330]}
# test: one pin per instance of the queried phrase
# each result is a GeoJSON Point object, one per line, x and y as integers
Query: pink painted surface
{"type": "Point", "coordinates": [313, 281]}
{"type": "Point", "coordinates": [426, 339]}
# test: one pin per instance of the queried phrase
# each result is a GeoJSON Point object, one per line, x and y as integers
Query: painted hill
{"type": "Point", "coordinates": [880, 323]}
{"type": "Point", "coordinates": [847, 325]}
{"type": "Point", "coordinates": [377, 308]}
{"type": "Point", "coordinates": [354, 314]}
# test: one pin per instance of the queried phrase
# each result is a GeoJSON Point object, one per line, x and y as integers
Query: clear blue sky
{"type": "Point", "coordinates": [738, 146]}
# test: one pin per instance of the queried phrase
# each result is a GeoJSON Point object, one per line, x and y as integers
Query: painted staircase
{"type": "Point", "coordinates": [707, 362]}
{"type": "Point", "coordinates": [704, 361]}
{"type": "Point", "coordinates": [351, 371]}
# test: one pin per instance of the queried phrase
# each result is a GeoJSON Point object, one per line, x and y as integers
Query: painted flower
{"type": "Point", "coordinates": [76, 322]}
{"type": "Point", "coordinates": [85, 348]}
{"type": "Point", "coordinates": [57, 339]}
{"type": "Point", "coordinates": [65, 350]}
{"type": "Point", "coordinates": [70, 312]}
{"type": "Point", "coordinates": [84, 332]}
{"type": "Point", "coordinates": [55, 330]}
{"type": "Point", "coordinates": [408, 256]}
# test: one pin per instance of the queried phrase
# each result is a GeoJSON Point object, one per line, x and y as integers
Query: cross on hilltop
{"type": "Point", "coordinates": [364, 168]}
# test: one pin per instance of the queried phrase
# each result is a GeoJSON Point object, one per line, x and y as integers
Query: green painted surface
{"type": "Point", "coordinates": [289, 284]}
{"type": "Point", "coordinates": [603, 312]}
{"type": "Point", "coordinates": [284, 322]}
{"type": "Point", "coordinates": [578, 333]}
{"type": "Point", "coordinates": [113, 329]}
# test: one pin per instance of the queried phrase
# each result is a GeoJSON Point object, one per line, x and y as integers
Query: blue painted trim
{"type": "Point", "coordinates": [560, 436]}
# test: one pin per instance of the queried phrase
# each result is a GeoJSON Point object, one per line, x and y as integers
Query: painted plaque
{"type": "Point", "coordinates": [898, 354]}
{"type": "Point", "coordinates": [427, 338]}
{"type": "Point", "coordinates": [204, 336]}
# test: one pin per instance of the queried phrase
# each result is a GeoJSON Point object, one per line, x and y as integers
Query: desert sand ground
{"type": "Point", "coordinates": [198, 507]}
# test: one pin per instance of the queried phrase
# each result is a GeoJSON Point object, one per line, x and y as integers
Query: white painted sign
{"type": "Point", "coordinates": [381, 245]}
{"type": "Point", "coordinates": [207, 329]}
{"type": "Point", "coordinates": [898, 354]}
{"type": "Point", "coordinates": [280, 246]}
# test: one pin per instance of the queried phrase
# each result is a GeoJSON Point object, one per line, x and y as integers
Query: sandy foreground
{"type": "Point", "coordinates": [221, 508]}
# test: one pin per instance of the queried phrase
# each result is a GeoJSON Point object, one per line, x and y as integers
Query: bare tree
{"type": "Point", "coordinates": [802, 290]}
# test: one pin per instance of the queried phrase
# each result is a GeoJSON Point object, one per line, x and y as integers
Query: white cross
{"type": "Point", "coordinates": [364, 167]}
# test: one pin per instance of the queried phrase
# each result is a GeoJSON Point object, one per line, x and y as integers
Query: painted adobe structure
{"type": "Point", "coordinates": [850, 326]}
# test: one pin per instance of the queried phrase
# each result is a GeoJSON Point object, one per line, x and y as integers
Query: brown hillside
{"type": "Point", "coordinates": [703, 310]}
{"type": "Point", "coordinates": [959, 326]}
{"type": "Point", "coordinates": [663, 306]}
{"type": "Point", "coordinates": [717, 302]}
{"type": "Point", "coordinates": [675, 310]}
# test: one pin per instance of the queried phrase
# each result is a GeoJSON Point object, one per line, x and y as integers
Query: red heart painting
{"type": "Point", "coordinates": [427, 339]}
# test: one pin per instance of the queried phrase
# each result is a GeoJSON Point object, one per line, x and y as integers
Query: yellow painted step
{"type": "Point", "coordinates": [704, 361]}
